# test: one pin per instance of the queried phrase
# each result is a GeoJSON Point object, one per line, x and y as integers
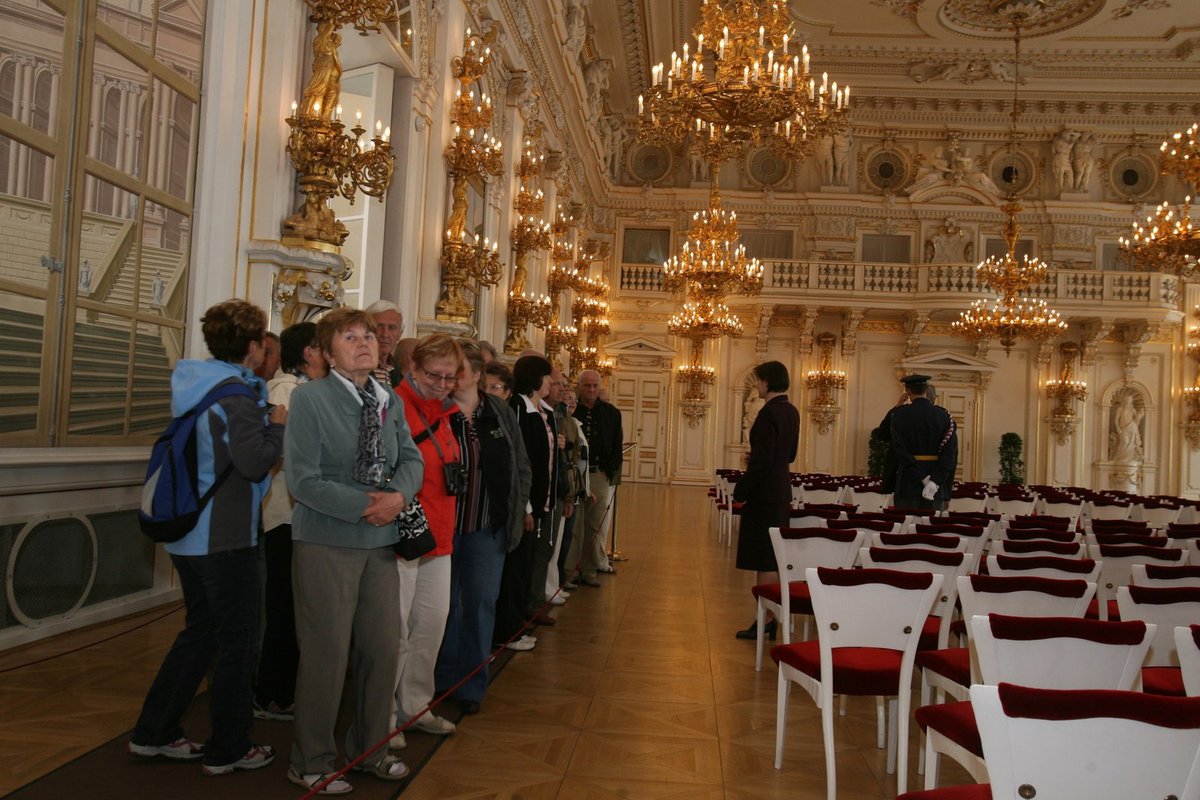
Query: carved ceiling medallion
{"type": "Point", "coordinates": [977, 19]}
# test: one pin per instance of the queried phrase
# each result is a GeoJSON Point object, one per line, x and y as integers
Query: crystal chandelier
{"type": "Point", "coordinates": [1166, 241]}
{"type": "Point", "coordinates": [744, 83]}
{"type": "Point", "coordinates": [1012, 317]}
{"type": "Point", "coordinates": [697, 322]}
{"type": "Point", "coordinates": [590, 315]}
{"type": "Point", "coordinates": [713, 260]}
{"type": "Point", "coordinates": [472, 153]}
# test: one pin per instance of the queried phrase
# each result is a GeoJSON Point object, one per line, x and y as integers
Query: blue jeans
{"type": "Point", "coordinates": [220, 592]}
{"type": "Point", "coordinates": [475, 570]}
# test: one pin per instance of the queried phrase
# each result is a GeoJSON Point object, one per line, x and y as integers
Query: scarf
{"type": "Point", "coordinates": [368, 463]}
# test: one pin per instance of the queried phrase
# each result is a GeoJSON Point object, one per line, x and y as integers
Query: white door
{"type": "Point", "coordinates": [960, 402]}
{"type": "Point", "coordinates": [642, 400]}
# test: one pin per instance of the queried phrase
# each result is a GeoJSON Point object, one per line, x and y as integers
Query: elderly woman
{"type": "Point", "coordinates": [489, 523]}
{"type": "Point", "coordinates": [352, 468]}
{"type": "Point", "coordinates": [301, 360]}
{"type": "Point", "coordinates": [425, 581]}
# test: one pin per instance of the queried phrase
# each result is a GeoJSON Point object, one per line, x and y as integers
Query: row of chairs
{"type": "Point", "coordinates": [946, 669]}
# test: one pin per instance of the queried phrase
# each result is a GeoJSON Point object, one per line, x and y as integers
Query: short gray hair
{"type": "Point", "coordinates": [382, 307]}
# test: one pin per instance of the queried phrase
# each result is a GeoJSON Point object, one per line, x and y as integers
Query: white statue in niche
{"type": "Point", "coordinates": [751, 405]}
{"type": "Point", "coordinates": [825, 159]}
{"type": "Point", "coordinates": [841, 158]}
{"type": "Point", "coordinates": [1125, 429]}
{"type": "Point", "coordinates": [1060, 160]}
{"type": "Point", "coordinates": [1081, 161]}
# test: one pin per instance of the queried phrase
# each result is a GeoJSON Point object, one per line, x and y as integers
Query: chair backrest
{"type": "Point", "coordinates": [1106, 509]}
{"type": "Point", "coordinates": [1117, 526]}
{"type": "Point", "coordinates": [950, 565]}
{"type": "Point", "coordinates": [920, 541]}
{"type": "Point", "coordinates": [1011, 507]}
{"type": "Point", "coordinates": [1187, 647]}
{"type": "Point", "coordinates": [1164, 577]}
{"type": "Point", "coordinates": [1060, 652]}
{"type": "Point", "coordinates": [1166, 608]}
{"type": "Point", "coordinates": [1024, 596]}
{"type": "Point", "coordinates": [797, 549]}
{"type": "Point", "coordinates": [866, 525]}
{"type": "Point", "coordinates": [1088, 743]}
{"type": "Point", "coordinates": [1041, 547]}
{"type": "Point", "coordinates": [1157, 515]}
{"type": "Point", "coordinates": [1069, 508]}
{"type": "Point", "coordinates": [967, 502]}
{"type": "Point", "coordinates": [1145, 539]}
{"type": "Point", "coordinates": [868, 499]}
{"type": "Point", "coordinates": [822, 493]}
{"type": "Point", "coordinates": [1035, 566]}
{"type": "Point", "coordinates": [1117, 560]}
{"type": "Point", "coordinates": [1038, 534]}
{"type": "Point", "coordinates": [1041, 522]}
{"type": "Point", "coordinates": [870, 608]}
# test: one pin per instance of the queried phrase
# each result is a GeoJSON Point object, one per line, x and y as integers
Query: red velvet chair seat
{"type": "Point", "coordinates": [953, 663]}
{"type": "Point", "coordinates": [1163, 680]}
{"type": "Point", "coordinates": [801, 599]}
{"type": "Point", "coordinates": [955, 721]}
{"type": "Point", "coordinates": [1093, 610]}
{"type": "Point", "coordinates": [929, 634]}
{"type": "Point", "coordinates": [856, 670]}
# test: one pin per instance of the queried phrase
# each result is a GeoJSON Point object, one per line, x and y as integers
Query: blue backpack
{"type": "Point", "coordinates": [171, 503]}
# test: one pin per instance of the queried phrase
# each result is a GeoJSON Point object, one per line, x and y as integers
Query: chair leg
{"type": "Point", "coordinates": [880, 725]}
{"type": "Point", "coordinates": [933, 761]}
{"type": "Point", "coordinates": [781, 705]}
{"type": "Point", "coordinates": [901, 722]}
{"type": "Point", "coordinates": [891, 736]}
{"type": "Point", "coordinates": [830, 751]}
{"type": "Point", "coordinates": [759, 623]}
{"type": "Point", "coordinates": [807, 619]}
{"type": "Point", "coordinates": [842, 706]}
{"type": "Point", "coordinates": [925, 691]}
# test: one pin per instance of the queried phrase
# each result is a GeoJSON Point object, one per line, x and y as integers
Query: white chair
{"type": "Point", "coordinates": [869, 624]}
{"type": "Point", "coordinates": [976, 536]}
{"type": "Point", "coordinates": [1099, 745]}
{"type": "Point", "coordinates": [1105, 509]}
{"type": "Point", "coordinates": [1116, 562]}
{"type": "Point", "coordinates": [1158, 515]}
{"type": "Point", "coordinates": [1168, 609]}
{"type": "Point", "coordinates": [919, 541]}
{"type": "Point", "coordinates": [1187, 645]}
{"type": "Point", "coordinates": [1013, 507]}
{"type": "Point", "coordinates": [797, 549]}
{"type": "Point", "coordinates": [966, 503]}
{"type": "Point", "coordinates": [1164, 577]}
{"type": "Point", "coordinates": [868, 499]}
{"type": "Point", "coordinates": [950, 671]}
{"type": "Point", "coordinates": [1063, 508]}
{"type": "Point", "coordinates": [822, 493]}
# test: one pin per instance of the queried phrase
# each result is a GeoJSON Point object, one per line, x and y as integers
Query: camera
{"type": "Point", "coordinates": [455, 475]}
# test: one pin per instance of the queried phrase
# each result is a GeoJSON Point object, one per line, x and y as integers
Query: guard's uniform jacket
{"type": "Point", "coordinates": [925, 442]}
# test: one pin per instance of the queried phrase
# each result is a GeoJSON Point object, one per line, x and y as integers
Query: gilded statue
{"type": "Point", "coordinates": [325, 84]}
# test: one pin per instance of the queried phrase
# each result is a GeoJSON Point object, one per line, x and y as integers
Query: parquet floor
{"type": "Point", "coordinates": [640, 691]}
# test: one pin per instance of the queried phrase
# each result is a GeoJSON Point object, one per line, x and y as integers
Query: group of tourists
{"type": "Point", "coordinates": [351, 434]}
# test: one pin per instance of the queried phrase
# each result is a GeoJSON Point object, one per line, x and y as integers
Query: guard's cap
{"type": "Point", "coordinates": [914, 380]}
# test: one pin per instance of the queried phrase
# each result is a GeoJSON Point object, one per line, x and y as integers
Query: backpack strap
{"type": "Point", "coordinates": [230, 388]}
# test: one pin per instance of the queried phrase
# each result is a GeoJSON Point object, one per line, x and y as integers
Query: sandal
{"type": "Point", "coordinates": [310, 780]}
{"type": "Point", "coordinates": [389, 768]}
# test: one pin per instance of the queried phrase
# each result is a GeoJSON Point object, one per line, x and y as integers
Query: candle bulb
{"type": "Point", "coordinates": [339, 111]}
{"type": "Point", "coordinates": [378, 127]}
{"type": "Point", "coordinates": [295, 105]}
{"type": "Point", "coordinates": [387, 133]}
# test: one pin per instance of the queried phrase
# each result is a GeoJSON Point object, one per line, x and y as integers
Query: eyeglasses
{"type": "Point", "coordinates": [496, 386]}
{"type": "Point", "coordinates": [436, 378]}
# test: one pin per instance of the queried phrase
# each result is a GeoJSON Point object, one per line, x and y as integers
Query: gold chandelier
{"type": "Point", "coordinates": [472, 153]}
{"type": "Point", "coordinates": [713, 260]}
{"type": "Point", "coordinates": [1013, 316]}
{"type": "Point", "coordinates": [1166, 241]}
{"type": "Point", "coordinates": [742, 84]}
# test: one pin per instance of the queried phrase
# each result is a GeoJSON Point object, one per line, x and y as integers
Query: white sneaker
{"type": "Point", "coordinates": [526, 642]}
{"type": "Point", "coordinates": [431, 723]}
{"type": "Point", "coordinates": [558, 600]}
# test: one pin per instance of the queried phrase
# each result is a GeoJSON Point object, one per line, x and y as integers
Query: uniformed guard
{"type": "Point", "coordinates": [925, 445]}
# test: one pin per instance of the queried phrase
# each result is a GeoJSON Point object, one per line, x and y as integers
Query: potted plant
{"type": "Point", "coordinates": [1012, 468]}
{"type": "Point", "coordinates": [878, 447]}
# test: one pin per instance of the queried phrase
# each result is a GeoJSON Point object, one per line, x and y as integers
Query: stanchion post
{"type": "Point", "coordinates": [613, 553]}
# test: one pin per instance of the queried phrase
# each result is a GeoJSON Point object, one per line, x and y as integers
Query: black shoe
{"type": "Point", "coordinates": [468, 707]}
{"type": "Point", "coordinates": [770, 630]}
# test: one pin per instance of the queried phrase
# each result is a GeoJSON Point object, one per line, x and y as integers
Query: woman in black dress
{"type": "Point", "coordinates": [766, 486]}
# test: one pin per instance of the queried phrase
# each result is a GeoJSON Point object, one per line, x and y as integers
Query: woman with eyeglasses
{"type": "Point", "coordinates": [490, 523]}
{"type": "Point", "coordinates": [425, 581]}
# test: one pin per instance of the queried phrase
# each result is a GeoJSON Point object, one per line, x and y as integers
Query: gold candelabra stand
{"type": "Point", "coordinates": [712, 262]}
{"type": "Point", "coordinates": [1065, 391]}
{"type": "Point", "coordinates": [473, 153]}
{"type": "Point", "coordinates": [744, 81]}
{"type": "Point", "coordinates": [1191, 394]}
{"type": "Point", "coordinates": [590, 315]}
{"type": "Point", "coordinates": [530, 234]}
{"type": "Point", "coordinates": [826, 381]}
{"type": "Point", "coordinates": [1166, 242]}
{"type": "Point", "coordinates": [328, 160]}
{"type": "Point", "coordinates": [561, 278]}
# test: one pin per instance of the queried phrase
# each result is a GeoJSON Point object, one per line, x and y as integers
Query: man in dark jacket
{"type": "Point", "coordinates": [925, 443]}
{"type": "Point", "coordinates": [601, 422]}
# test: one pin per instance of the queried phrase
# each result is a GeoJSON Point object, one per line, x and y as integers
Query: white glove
{"type": "Point", "coordinates": [931, 489]}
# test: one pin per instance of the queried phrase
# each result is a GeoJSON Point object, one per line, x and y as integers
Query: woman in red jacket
{"type": "Point", "coordinates": [425, 581]}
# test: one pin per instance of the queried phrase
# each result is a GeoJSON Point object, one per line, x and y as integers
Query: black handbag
{"type": "Point", "coordinates": [415, 539]}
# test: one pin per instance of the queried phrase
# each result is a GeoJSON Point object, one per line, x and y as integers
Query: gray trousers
{"type": "Point", "coordinates": [343, 595]}
{"type": "Point", "coordinates": [595, 524]}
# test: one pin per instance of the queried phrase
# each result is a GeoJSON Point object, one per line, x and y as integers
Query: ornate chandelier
{"type": "Point", "coordinates": [472, 153]}
{"type": "Point", "coordinates": [713, 260]}
{"type": "Point", "coordinates": [743, 83]}
{"type": "Point", "coordinates": [1167, 242]}
{"type": "Point", "coordinates": [1012, 317]}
